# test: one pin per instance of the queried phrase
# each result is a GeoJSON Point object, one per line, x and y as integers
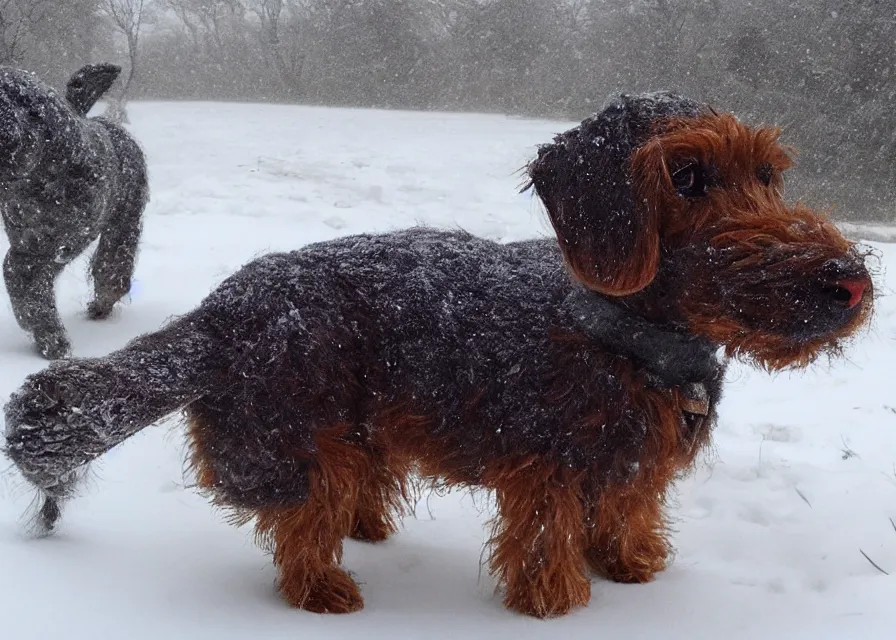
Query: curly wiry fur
{"type": "Point", "coordinates": [315, 381]}
{"type": "Point", "coordinates": [65, 180]}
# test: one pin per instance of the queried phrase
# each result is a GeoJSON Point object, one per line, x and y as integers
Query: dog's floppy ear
{"type": "Point", "coordinates": [610, 240]}
{"type": "Point", "coordinates": [88, 84]}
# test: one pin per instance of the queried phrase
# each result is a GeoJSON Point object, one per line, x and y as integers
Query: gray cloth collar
{"type": "Point", "coordinates": [676, 358]}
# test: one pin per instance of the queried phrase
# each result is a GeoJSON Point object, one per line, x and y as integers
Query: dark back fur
{"type": "Point", "coordinates": [444, 325]}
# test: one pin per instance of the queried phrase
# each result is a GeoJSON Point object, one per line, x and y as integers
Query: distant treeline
{"type": "Point", "coordinates": [823, 69]}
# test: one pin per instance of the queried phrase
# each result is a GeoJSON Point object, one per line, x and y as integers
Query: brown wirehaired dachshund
{"type": "Point", "coordinates": [574, 377]}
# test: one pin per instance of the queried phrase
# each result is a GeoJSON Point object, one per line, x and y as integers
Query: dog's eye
{"type": "Point", "coordinates": [765, 173]}
{"type": "Point", "coordinates": [690, 181]}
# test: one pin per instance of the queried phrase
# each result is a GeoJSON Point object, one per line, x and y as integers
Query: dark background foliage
{"type": "Point", "coordinates": [822, 69]}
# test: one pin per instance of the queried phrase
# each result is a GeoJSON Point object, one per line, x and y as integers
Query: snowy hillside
{"type": "Point", "coordinates": [771, 528]}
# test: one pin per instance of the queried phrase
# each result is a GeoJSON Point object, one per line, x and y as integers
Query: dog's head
{"type": "Point", "coordinates": [677, 211]}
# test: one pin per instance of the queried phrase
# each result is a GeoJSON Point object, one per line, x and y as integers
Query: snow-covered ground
{"type": "Point", "coordinates": [770, 529]}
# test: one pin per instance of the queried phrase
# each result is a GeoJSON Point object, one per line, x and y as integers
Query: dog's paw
{"type": "Point", "coordinates": [99, 310]}
{"type": "Point", "coordinates": [549, 598]}
{"type": "Point", "coordinates": [333, 591]}
{"type": "Point", "coordinates": [372, 529]}
{"type": "Point", "coordinates": [52, 346]}
{"type": "Point", "coordinates": [637, 569]}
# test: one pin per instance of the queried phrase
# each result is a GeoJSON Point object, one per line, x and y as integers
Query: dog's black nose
{"type": "Point", "coordinates": [846, 282]}
{"type": "Point", "coordinates": [847, 293]}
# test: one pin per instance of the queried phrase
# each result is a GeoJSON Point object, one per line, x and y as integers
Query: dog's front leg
{"type": "Point", "coordinates": [626, 531]}
{"type": "Point", "coordinates": [30, 280]}
{"type": "Point", "coordinates": [539, 539]}
{"type": "Point", "coordinates": [382, 494]}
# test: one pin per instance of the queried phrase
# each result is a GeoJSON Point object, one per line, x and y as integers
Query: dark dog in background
{"type": "Point", "coordinates": [65, 180]}
{"type": "Point", "coordinates": [576, 380]}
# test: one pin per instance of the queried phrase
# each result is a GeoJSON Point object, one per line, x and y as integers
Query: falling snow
{"type": "Point", "coordinates": [770, 530]}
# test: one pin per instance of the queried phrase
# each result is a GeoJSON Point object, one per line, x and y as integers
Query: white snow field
{"type": "Point", "coordinates": [770, 529]}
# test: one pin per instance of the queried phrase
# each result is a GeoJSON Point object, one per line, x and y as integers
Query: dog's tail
{"type": "Point", "coordinates": [88, 84]}
{"type": "Point", "coordinates": [69, 414]}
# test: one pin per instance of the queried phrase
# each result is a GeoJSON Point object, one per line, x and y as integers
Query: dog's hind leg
{"type": "Point", "coordinates": [539, 539]}
{"type": "Point", "coordinates": [306, 540]}
{"type": "Point", "coordinates": [30, 280]}
{"type": "Point", "coordinates": [112, 266]}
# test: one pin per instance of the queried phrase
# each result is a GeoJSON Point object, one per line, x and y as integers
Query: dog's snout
{"type": "Point", "coordinates": [846, 268]}
{"type": "Point", "coordinates": [847, 282]}
{"type": "Point", "coordinates": [848, 293]}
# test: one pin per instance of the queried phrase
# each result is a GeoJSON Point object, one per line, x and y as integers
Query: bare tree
{"type": "Point", "coordinates": [128, 18]}
{"type": "Point", "coordinates": [281, 39]}
{"type": "Point", "coordinates": [17, 17]}
{"type": "Point", "coordinates": [292, 30]}
{"type": "Point", "coordinates": [204, 20]}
